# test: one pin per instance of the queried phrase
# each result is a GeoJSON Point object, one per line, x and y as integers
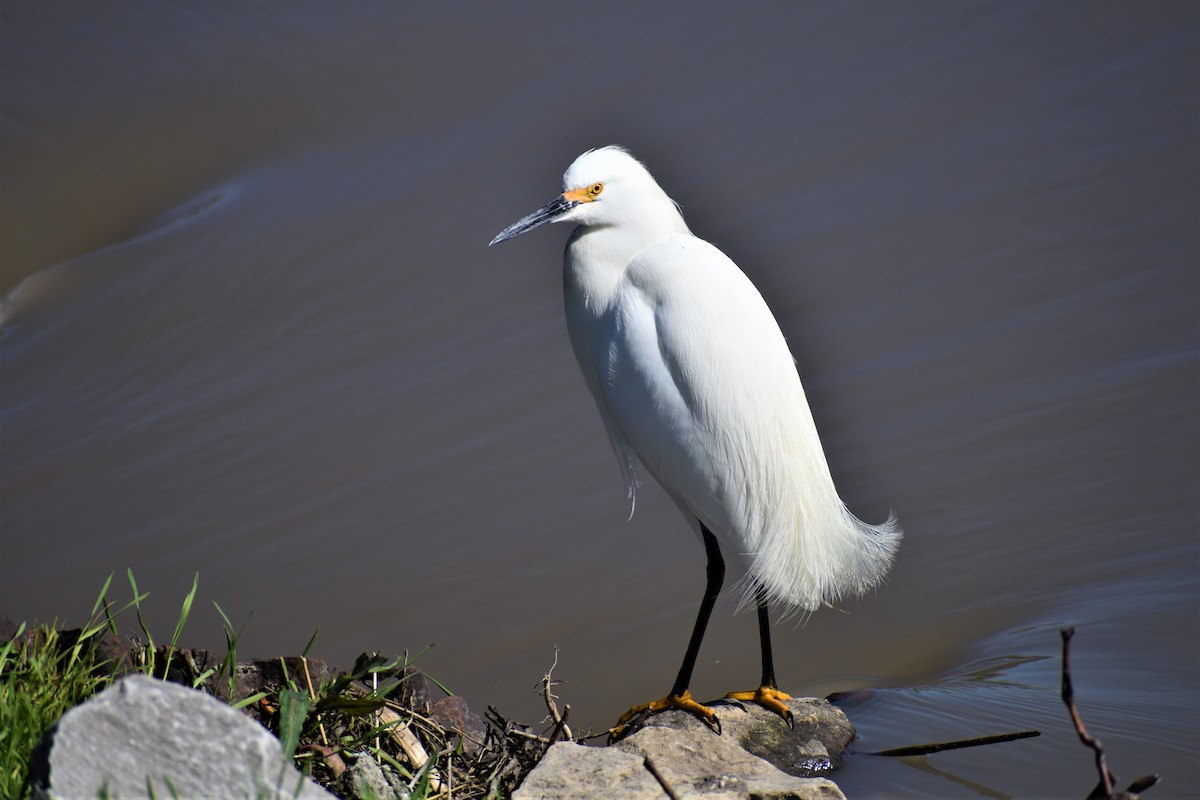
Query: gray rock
{"type": "Point", "coordinates": [573, 772]}
{"type": "Point", "coordinates": [814, 748]}
{"type": "Point", "coordinates": [751, 759]}
{"type": "Point", "coordinates": [695, 762]}
{"type": "Point", "coordinates": [417, 691]}
{"type": "Point", "coordinates": [143, 736]}
{"type": "Point", "coordinates": [365, 779]}
{"type": "Point", "coordinates": [455, 714]}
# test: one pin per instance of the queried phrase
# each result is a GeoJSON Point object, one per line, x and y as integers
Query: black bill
{"type": "Point", "coordinates": [547, 213]}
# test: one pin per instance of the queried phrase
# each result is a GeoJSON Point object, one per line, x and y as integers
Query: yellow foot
{"type": "Point", "coordinates": [683, 702]}
{"type": "Point", "coordinates": [769, 698]}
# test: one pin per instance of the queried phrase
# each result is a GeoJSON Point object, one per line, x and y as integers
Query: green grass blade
{"type": "Point", "coordinates": [224, 616]}
{"type": "Point", "coordinates": [203, 676]}
{"type": "Point", "coordinates": [420, 787]}
{"type": "Point", "coordinates": [393, 763]}
{"type": "Point", "coordinates": [228, 665]}
{"type": "Point", "coordinates": [185, 611]}
{"type": "Point", "coordinates": [183, 615]}
{"type": "Point", "coordinates": [386, 687]}
{"type": "Point", "coordinates": [354, 706]}
{"type": "Point", "coordinates": [293, 711]}
{"type": "Point", "coordinates": [138, 597]}
{"type": "Point", "coordinates": [307, 647]}
{"type": "Point", "coordinates": [6, 652]}
{"type": "Point", "coordinates": [254, 698]}
{"type": "Point", "coordinates": [100, 599]}
{"type": "Point", "coordinates": [439, 684]}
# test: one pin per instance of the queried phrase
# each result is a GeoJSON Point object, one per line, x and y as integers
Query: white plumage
{"type": "Point", "coordinates": [691, 374]}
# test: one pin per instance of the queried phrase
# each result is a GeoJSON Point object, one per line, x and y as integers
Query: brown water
{"type": "Point", "coordinates": [252, 329]}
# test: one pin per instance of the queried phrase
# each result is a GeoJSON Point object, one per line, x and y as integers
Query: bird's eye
{"type": "Point", "coordinates": [595, 189]}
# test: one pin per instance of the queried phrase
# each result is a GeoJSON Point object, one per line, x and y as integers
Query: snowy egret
{"type": "Point", "coordinates": [692, 375]}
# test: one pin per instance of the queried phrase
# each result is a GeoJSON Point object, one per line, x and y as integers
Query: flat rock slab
{"type": "Point", "coordinates": [756, 756]}
{"type": "Point", "coordinates": [571, 771]}
{"type": "Point", "coordinates": [142, 736]}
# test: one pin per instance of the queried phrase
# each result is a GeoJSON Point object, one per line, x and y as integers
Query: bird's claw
{"type": "Point", "coordinates": [769, 698]}
{"type": "Point", "coordinates": [683, 702]}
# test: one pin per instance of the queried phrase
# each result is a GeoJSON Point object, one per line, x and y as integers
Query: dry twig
{"type": "Point", "coordinates": [658, 776]}
{"type": "Point", "coordinates": [560, 720]}
{"type": "Point", "coordinates": [402, 734]}
{"type": "Point", "coordinates": [1105, 788]}
{"type": "Point", "coordinates": [312, 695]}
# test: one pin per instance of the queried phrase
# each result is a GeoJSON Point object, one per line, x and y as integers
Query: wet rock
{"type": "Point", "coordinates": [271, 675]}
{"type": "Point", "coordinates": [822, 733]}
{"type": "Point", "coordinates": [113, 654]}
{"type": "Point", "coordinates": [108, 652]}
{"type": "Point", "coordinates": [143, 735]}
{"type": "Point", "coordinates": [456, 714]}
{"type": "Point", "coordinates": [417, 691]}
{"type": "Point", "coordinates": [757, 756]}
{"type": "Point", "coordinates": [8, 628]}
{"type": "Point", "coordinates": [186, 665]}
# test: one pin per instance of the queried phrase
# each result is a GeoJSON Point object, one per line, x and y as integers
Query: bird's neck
{"type": "Point", "coordinates": [598, 256]}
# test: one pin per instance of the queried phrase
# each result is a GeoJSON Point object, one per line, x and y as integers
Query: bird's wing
{"type": "Point", "coordinates": [691, 372]}
{"type": "Point", "coordinates": [587, 332]}
{"type": "Point", "coordinates": [702, 386]}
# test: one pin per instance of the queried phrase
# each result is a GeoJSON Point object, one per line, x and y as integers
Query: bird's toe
{"type": "Point", "coordinates": [770, 698]}
{"type": "Point", "coordinates": [682, 702]}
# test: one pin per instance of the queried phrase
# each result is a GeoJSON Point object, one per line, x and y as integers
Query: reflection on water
{"type": "Point", "coordinates": [252, 329]}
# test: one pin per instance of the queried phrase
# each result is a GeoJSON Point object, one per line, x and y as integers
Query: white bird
{"type": "Point", "coordinates": [691, 374]}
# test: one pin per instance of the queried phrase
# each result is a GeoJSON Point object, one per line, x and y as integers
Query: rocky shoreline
{"type": "Point", "coordinates": [181, 736]}
{"type": "Point", "coordinates": [144, 736]}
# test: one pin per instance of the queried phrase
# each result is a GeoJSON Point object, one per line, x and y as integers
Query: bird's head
{"type": "Point", "coordinates": [606, 186]}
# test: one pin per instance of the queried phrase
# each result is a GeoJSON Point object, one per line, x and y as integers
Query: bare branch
{"type": "Point", "coordinates": [1107, 779]}
{"type": "Point", "coordinates": [1105, 789]}
{"type": "Point", "coordinates": [560, 720]}
{"type": "Point", "coordinates": [926, 749]}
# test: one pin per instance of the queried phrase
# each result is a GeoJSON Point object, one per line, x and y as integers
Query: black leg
{"type": "Point", "coordinates": [764, 638]}
{"type": "Point", "coordinates": [680, 698]}
{"type": "Point", "coordinates": [716, 576]}
{"type": "Point", "coordinates": [767, 695]}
